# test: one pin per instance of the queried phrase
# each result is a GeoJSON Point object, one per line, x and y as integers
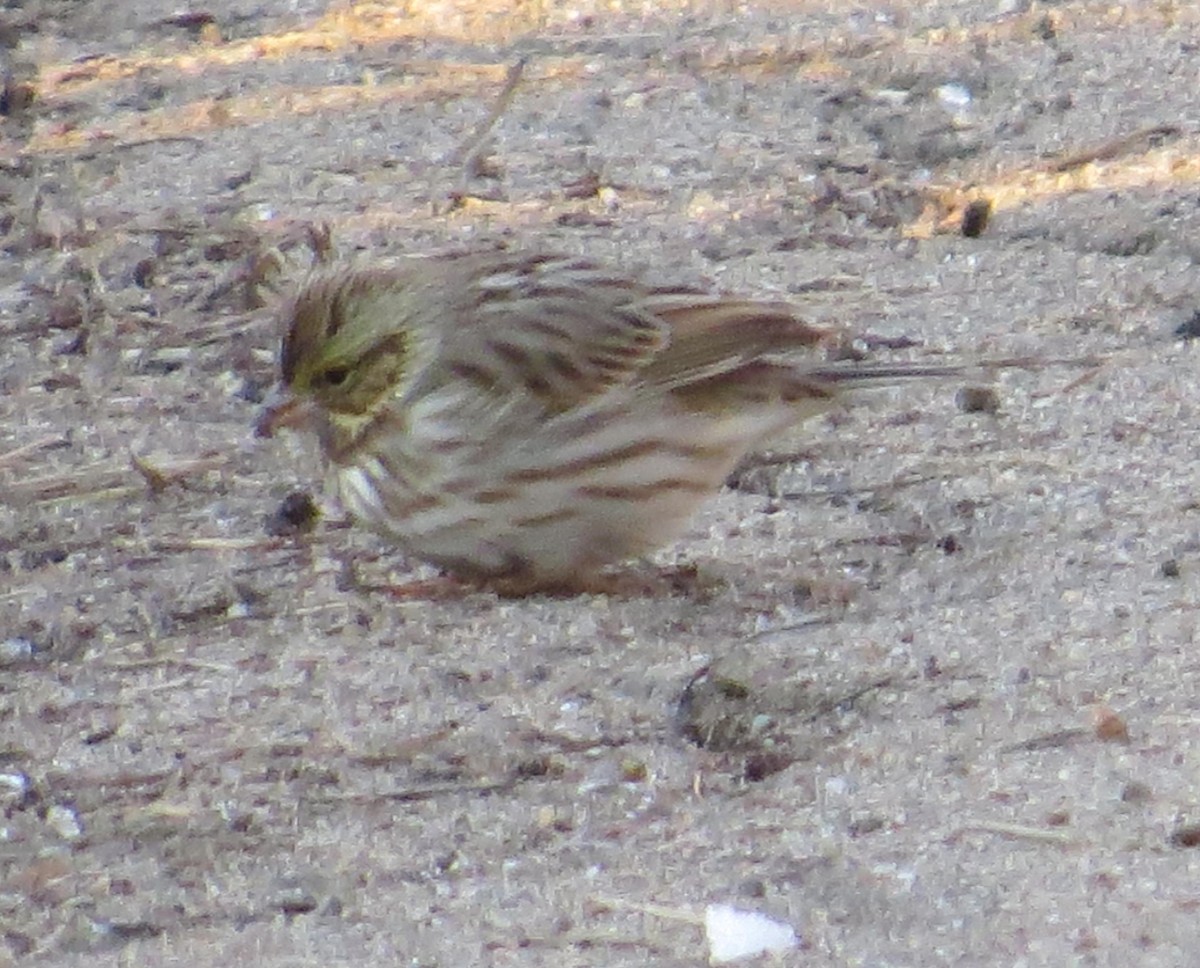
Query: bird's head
{"type": "Point", "coordinates": [346, 352]}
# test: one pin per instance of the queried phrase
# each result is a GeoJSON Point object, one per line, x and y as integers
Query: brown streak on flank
{"type": "Point", "coordinates": [809, 390]}
{"type": "Point", "coordinates": [553, 330]}
{"type": "Point", "coordinates": [638, 449]}
{"type": "Point", "coordinates": [445, 446]}
{"type": "Point", "coordinates": [459, 487]}
{"type": "Point", "coordinates": [517, 359]}
{"type": "Point", "coordinates": [643, 492]}
{"type": "Point", "coordinates": [417, 505]}
{"type": "Point", "coordinates": [472, 373]}
{"type": "Point", "coordinates": [550, 517]}
{"type": "Point", "coordinates": [561, 364]}
{"type": "Point", "coordinates": [540, 387]}
{"type": "Point", "coordinates": [498, 495]}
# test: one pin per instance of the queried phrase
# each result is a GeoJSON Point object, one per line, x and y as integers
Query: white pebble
{"type": "Point", "coordinates": [734, 934]}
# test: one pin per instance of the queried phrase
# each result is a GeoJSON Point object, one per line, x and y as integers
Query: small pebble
{"type": "Point", "coordinates": [14, 786]}
{"type": "Point", "coordinates": [14, 651]}
{"type": "Point", "coordinates": [1185, 835]}
{"type": "Point", "coordinates": [976, 217]}
{"type": "Point", "coordinates": [296, 514]}
{"type": "Point", "coordinates": [978, 400]}
{"type": "Point", "coordinates": [1190, 327]}
{"type": "Point", "coordinates": [64, 821]}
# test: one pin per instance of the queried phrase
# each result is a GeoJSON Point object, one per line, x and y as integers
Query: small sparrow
{"type": "Point", "coordinates": [528, 419]}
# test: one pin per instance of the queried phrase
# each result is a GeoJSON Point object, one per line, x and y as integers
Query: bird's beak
{"type": "Point", "coordinates": [282, 409]}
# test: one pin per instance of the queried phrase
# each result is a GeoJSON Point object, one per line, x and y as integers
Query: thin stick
{"type": "Point", "coordinates": [654, 910]}
{"type": "Point", "coordinates": [43, 443]}
{"type": "Point", "coordinates": [204, 544]}
{"type": "Point", "coordinates": [192, 665]}
{"type": "Point", "coordinates": [1075, 384]}
{"type": "Point", "coordinates": [467, 153]}
{"type": "Point", "coordinates": [1112, 148]}
{"type": "Point", "coordinates": [1016, 831]}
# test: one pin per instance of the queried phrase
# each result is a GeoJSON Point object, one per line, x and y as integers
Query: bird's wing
{"type": "Point", "coordinates": [711, 336]}
{"type": "Point", "coordinates": [556, 330]}
{"type": "Point", "coordinates": [718, 342]}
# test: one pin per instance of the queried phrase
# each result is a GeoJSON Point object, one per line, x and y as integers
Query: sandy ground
{"type": "Point", "coordinates": [950, 715]}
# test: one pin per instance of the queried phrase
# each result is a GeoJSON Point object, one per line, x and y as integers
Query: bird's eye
{"type": "Point", "coordinates": [335, 376]}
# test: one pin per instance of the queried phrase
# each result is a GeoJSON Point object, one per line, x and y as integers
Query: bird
{"type": "Point", "coordinates": [529, 419]}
